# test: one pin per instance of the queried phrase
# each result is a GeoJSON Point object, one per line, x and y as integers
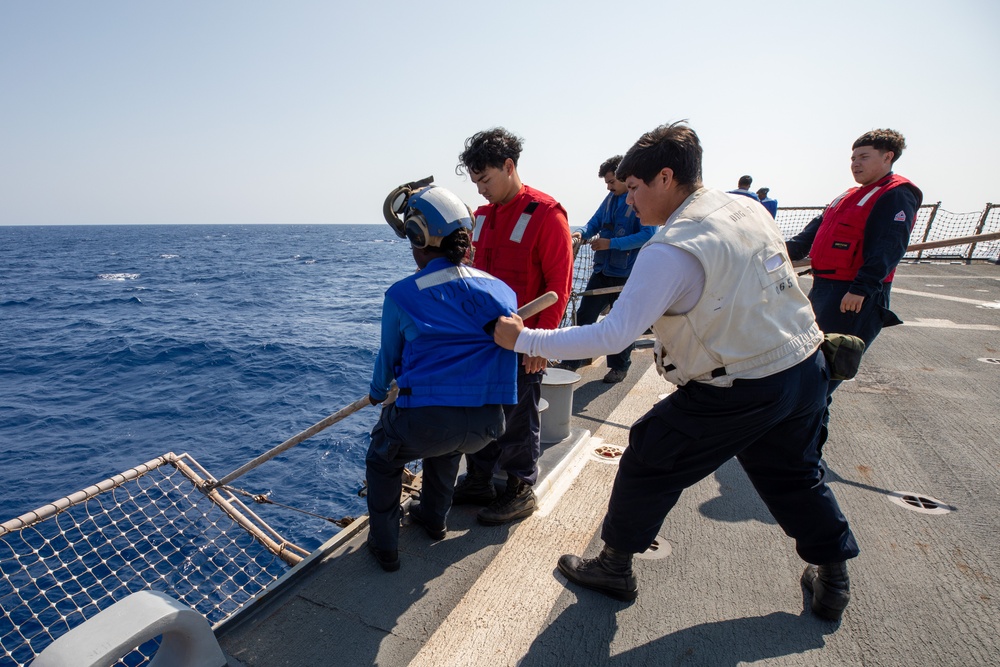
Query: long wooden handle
{"type": "Point", "coordinates": [525, 311]}
{"type": "Point", "coordinates": [536, 306]}
{"type": "Point", "coordinates": [294, 440]}
{"type": "Point", "coordinates": [958, 240]}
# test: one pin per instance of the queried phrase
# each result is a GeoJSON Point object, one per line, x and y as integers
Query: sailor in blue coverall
{"type": "Point", "coordinates": [615, 234]}
{"type": "Point", "coordinates": [453, 380]}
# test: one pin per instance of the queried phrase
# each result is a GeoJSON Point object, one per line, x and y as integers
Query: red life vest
{"type": "Point", "coordinates": [506, 241]}
{"type": "Point", "coordinates": [836, 251]}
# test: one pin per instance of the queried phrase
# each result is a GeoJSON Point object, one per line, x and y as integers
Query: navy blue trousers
{"type": "Point", "coordinates": [771, 425]}
{"type": "Point", "coordinates": [591, 308]}
{"type": "Point", "coordinates": [439, 435]}
{"type": "Point", "coordinates": [517, 451]}
{"type": "Point", "coordinates": [826, 296]}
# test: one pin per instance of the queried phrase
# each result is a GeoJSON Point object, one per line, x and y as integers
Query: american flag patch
{"type": "Point", "coordinates": [900, 217]}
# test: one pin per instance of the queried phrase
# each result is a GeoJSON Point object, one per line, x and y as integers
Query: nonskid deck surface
{"type": "Point", "coordinates": [920, 419]}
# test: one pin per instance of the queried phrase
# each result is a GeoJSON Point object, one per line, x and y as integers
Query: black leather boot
{"type": "Point", "coordinates": [476, 488]}
{"type": "Point", "coordinates": [516, 502]}
{"type": "Point", "coordinates": [830, 587]}
{"type": "Point", "coordinates": [610, 573]}
{"type": "Point", "coordinates": [388, 559]}
{"type": "Point", "coordinates": [434, 531]}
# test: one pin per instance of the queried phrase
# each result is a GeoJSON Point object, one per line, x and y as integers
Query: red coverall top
{"type": "Point", "coordinates": [526, 243]}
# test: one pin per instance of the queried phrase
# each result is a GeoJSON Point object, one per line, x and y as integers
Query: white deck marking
{"type": "Point", "coordinates": [504, 612]}
{"type": "Point", "coordinates": [947, 324]}
{"type": "Point", "coordinates": [956, 299]}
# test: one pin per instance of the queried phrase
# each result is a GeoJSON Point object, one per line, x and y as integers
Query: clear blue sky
{"type": "Point", "coordinates": [310, 112]}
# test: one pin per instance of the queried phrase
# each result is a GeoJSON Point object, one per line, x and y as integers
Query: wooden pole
{"type": "Point", "coordinates": [291, 442]}
{"type": "Point", "coordinates": [527, 310]}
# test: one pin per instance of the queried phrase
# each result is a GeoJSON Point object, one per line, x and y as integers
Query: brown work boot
{"type": "Point", "coordinates": [830, 586]}
{"type": "Point", "coordinates": [516, 502]}
{"type": "Point", "coordinates": [476, 488]}
{"type": "Point", "coordinates": [610, 573]}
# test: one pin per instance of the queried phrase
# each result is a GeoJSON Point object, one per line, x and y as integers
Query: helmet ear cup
{"type": "Point", "coordinates": [415, 229]}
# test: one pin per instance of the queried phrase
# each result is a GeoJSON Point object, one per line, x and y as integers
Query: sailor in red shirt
{"type": "Point", "coordinates": [522, 237]}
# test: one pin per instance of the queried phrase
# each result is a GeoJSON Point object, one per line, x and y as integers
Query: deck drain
{"type": "Point", "coordinates": [919, 503]}
{"type": "Point", "coordinates": [660, 548]}
{"type": "Point", "coordinates": [608, 453]}
{"type": "Point", "coordinates": [989, 360]}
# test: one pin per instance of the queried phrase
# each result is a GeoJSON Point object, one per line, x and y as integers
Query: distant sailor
{"type": "Point", "coordinates": [453, 380]}
{"type": "Point", "coordinates": [737, 335]}
{"type": "Point", "coordinates": [615, 235]}
{"type": "Point", "coordinates": [767, 201]}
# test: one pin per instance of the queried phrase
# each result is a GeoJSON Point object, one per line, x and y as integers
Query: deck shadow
{"type": "Point", "coordinates": [348, 611]}
{"type": "Point", "coordinates": [583, 634]}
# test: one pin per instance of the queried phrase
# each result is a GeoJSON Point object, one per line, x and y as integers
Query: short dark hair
{"type": "Point", "coordinates": [746, 181]}
{"type": "Point", "coordinates": [611, 164]}
{"type": "Point", "coordinates": [489, 148]}
{"type": "Point", "coordinates": [675, 146]}
{"type": "Point", "coordinates": [882, 141]}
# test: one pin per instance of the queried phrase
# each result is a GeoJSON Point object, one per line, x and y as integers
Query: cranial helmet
{"type": "Point", "coordinates": [430, 213]}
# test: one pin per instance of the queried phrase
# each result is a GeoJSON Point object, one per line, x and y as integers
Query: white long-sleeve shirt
{"type": "Point", "coordinates": [665, 279]}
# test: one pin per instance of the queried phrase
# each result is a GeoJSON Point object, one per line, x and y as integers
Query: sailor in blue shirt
{"type": "Point", "coordinates": [615, 234]}
{"type": "Point", "coordinates": [767, 202]}
{"type": "Point", "coordinates": [743, 188]}
{"type": "Point", "coordinates": [452, 379]}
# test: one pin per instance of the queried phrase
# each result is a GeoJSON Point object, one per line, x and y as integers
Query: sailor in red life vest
{"type": "Point", "coordinates": [858, 240]}
{"type": "Point", "coordinates": [522, 237]}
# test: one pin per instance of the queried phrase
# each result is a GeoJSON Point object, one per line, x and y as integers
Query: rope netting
{"type": "Point", "coordinates": [940, 224]}
{"type": "Point", "coordinates": [148, 528]}
{"type": "Point", "coordinates": [583, 266]}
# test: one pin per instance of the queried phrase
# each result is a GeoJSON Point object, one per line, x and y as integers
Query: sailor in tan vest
{"type": "Point", "coordinates": [738, 337]}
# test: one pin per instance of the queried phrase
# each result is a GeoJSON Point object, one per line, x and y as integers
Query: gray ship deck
{"type": "Point", "coordinates": [723, 588]}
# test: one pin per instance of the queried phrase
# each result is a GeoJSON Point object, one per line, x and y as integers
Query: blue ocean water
{"type": "Point", "coordinates": [121, 343]}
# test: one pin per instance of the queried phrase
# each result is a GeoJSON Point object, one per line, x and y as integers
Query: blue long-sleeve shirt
{"type": "Point", "coordinates": [397, 328]}
{"type": "Point", "coordinates": [615, 220]}
{"type": "Point", "coordinates": [885, 239]}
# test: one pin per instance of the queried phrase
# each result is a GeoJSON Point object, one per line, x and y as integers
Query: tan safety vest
{"type": "Point", "coordinates": [752, 320]}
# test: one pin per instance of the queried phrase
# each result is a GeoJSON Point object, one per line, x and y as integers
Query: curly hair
{"type": "Point", "coordinates": [455, 246]}
{"type": "Point", "coordinates": [674, 146]}
{"type": "Point", "coordinates": [611, 164]}
{"type": "Point", "coordinates": [882, 141]}
{"type": "Point", "coordinates": [489, 148]}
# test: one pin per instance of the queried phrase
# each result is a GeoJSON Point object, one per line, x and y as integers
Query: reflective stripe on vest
{"type": "Point", "coordinates": [480, 221]}
{"type": "Point", "coordinates": [522, 223]}
{"type": "Point", "coordinates": [452, 273]}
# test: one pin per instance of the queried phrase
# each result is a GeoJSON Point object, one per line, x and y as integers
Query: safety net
{"type": "Point", "coordinates": [151, 527]}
